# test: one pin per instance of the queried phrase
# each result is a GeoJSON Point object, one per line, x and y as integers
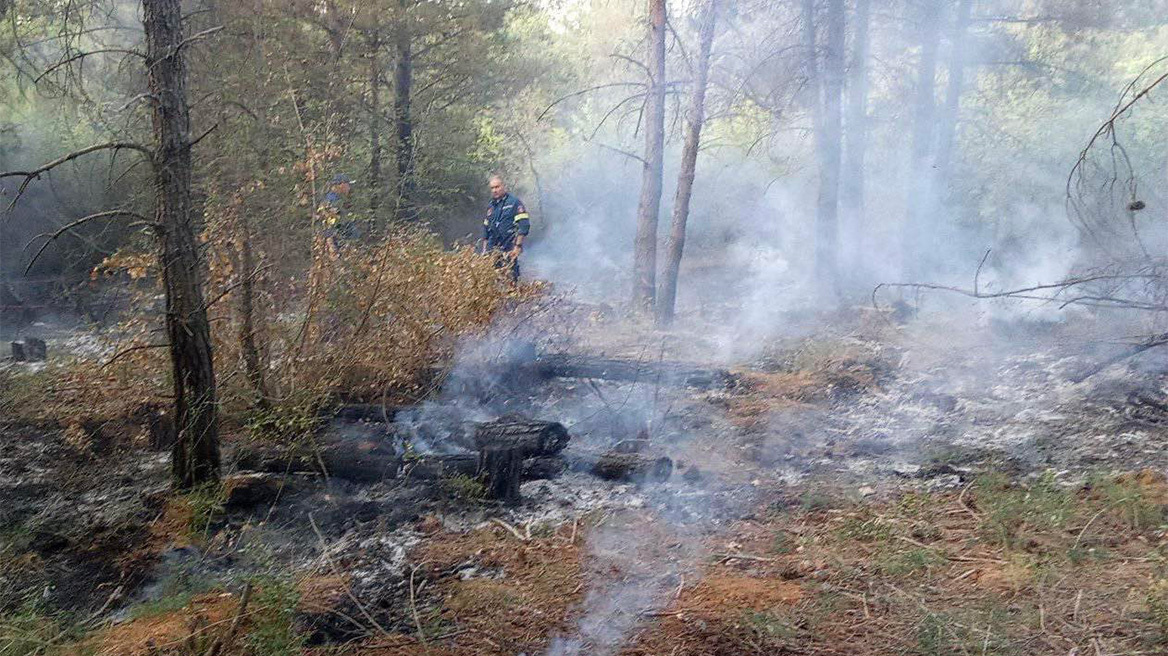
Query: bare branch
{"type": "Point", "coordinates": [198, 36]}
{"type": "Point", "coordinates": [618, 150]}
{"type": "Point", "coordinates": [29, 176]}
{"type": "Point", "coordinates": [584, 91]}
{"type": "Point", "coordinates": [82, 55]}
{"type": "Point", "coordinates": [141, 220]}
{"type": "Point", "coordinates": [199, 138]}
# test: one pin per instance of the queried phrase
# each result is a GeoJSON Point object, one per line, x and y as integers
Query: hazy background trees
{"type": "Point", "coordinates": [837, 144]}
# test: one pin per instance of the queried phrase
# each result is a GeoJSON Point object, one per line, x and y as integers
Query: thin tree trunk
{"type": "Point", "coordinates": [827, 214]}
{"type": "Point", "coordinates": [667, 298]}
{"type": "Point", "coordinates": [649, 208]}
{"type": "Point", "coordinates": [375, 122]}
{"type": "Point", "coordinates": [856, 136]}
{"type": "Point", "coordinates": [917, 232]}
{"type": "Point", "coordinates": [811, 71]}
{"type": "Point", "coordinates": [947, 129]}
{"type": "Point", "coordinates": [403, 78]}
{"type": "Point", "coordinates": [195, 458]}
{"type": "Point", "coordinates": [248, 328]}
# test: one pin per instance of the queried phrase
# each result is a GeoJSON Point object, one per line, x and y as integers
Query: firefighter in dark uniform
{"type": "Point", "coordinates": [505, 227]}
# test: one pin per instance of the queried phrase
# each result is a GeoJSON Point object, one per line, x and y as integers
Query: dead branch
{"type": "Point", "coordinates": [619, 151]}
{"type": "Point", "coordinates": [29, 176]}
{"type": "Point", "coordinates": [141, 220]}
{"type": "Point", "coordinates": [584, 91]}
{"type": "Point", "coordinates": [223, 640]}
{"type": "Point", "coordinates": [82, 55]}
{"type": "Point", "coordinates": [1146, 345]}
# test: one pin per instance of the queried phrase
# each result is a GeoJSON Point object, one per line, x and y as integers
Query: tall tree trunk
{"type": "Point", "coordinates": [645, 245]}
{"type": "Point", "coordinates": [827, 214]}
{"type": "Point", "coordinates": [667, 298]}
{"type": "Point", "coordinates": [403, 78]}
{"type": "Point", "coordinates": [917, 231]}
{"type": "Point", "coordinates": [375, 122]}
{"type": "Point", "coordinates": [856, 142]}
{"type": "Point", "coordinates": [947, 128]}
{"type": "Point", "coordinates": [195, 458]}
{"type": "Point", "coordinates": [248, 326]}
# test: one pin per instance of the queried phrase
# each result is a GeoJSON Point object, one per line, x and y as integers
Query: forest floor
{"type": "Point", "coordinates": [865, 487]}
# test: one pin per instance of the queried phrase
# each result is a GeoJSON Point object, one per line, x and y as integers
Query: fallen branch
{"type": "Point", "coordinates": [224, 640]}
{"type": "Point", "coordinates": [1148, 344]}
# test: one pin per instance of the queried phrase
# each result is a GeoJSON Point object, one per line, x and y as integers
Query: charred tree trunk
{"type": "Point", "coordinates": [856, 142]}
{"type": "Point", "coordinates": [947, 128]}
{"type": "Point", "coordinates": [195, 457]}
{"type": "Point", "coordinates": [917, 232]}
{"type": "Point", "coordinates": [667, 298]}
{"type": "Point", "coordinates": [375, 122]}
{"type": "Point", "coordinates": [649, 208]}
{"type": "Point", "coordinates": [827, 211]}
{"type": "Point", "coordinates": [403, 79]}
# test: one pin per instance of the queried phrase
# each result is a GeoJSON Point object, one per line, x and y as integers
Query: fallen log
{"type": "Point", "coordinates": [614, 466]}
{"type": "Point", "coordinates": [431, 467]}
{"type": "Point", "coordinates": [675, 374]}
{"type": "Point", "coordinates": [356, 460]}
{"type": "Point", "coordinates": [531, 438]}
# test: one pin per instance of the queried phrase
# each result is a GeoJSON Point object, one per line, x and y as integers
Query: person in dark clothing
{"type": "Point", "coordinates": [505, 227]}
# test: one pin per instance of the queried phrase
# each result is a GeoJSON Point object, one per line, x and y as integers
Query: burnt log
{"type": "Point", "coordinates": [369, 412]}
{"type": "Point", "coordinates": [502, 468]}
{"type": "Point", "coordinates": [355, 460]}
{"type": "Point", "coordinates": [530, 438]}
{"type": "Point", "coordinates": [432, 467]}
{"type": "Point", "coordinates": [441, 466]}
{"type": "Point", "coordinates": [674, 374]}
{"type": "Point", "coordinates": [615, 466]}
{"type": "Point", "coordinates": [35, 349]}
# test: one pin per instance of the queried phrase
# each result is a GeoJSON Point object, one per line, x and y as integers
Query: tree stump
{"type": "Point", "coordinates": [35, 349]}
{"type": "Point", "coordinates": [18, 354]}
{"type": "Point", "coordinates": [503, 466]}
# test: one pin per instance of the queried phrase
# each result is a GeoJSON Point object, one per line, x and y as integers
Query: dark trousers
{"type": "Point", "coordinates": [502, 261]}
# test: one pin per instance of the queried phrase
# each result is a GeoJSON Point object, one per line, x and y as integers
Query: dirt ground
{"type": "Point", "coordinates": [864, 488]}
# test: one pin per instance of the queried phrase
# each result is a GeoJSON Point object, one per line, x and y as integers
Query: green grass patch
{"type": "Point", "coordinates": [272, 631]}
{"type": "Point", "coordinates": [1012, 511]}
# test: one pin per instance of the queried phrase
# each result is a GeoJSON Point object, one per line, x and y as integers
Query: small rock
{"type": "Point", "coordinates": [867, 491]}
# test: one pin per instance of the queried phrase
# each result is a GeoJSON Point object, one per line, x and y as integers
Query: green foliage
{"type": "Point", "coordinates": [910, 562]}
{"type": "Point", "coordinates": [1156, 599]}
{"type": "Point", "coordinates": [1126, 498]}
{"type": "Point", "coordinates": [769, 627]}
{"type": "Point", "coordinates": [815, 499]}
{"type": "Point", "coordinates": [29, 631]}
{"type": "Point", "coordinates": [865, 529]}
{"type": "Point", "coordinates": [783, 543]}
{"type": "Point", "coordinates": [1013, 509]}
{"type": "Point", "coordinates": [283, 423]}
{"type": "Point", "coordinates": [462, 486]}
{"type": "Point", "coordinates": [205, 503]}
{"type": "Point", "coordinates": [272, 629]}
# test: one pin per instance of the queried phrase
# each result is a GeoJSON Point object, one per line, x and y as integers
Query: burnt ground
{"type": "Point", "coordinates": [848, 480]}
